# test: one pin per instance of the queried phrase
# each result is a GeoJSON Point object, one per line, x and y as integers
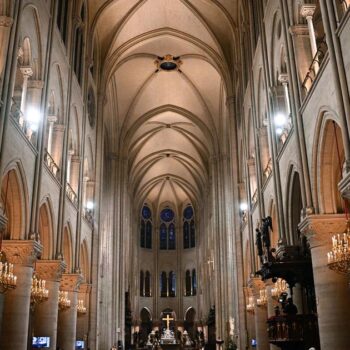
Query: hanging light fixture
{"type": "Point", "coordinates": [251, 304]}
{"type": "Point", "coordinates": [279, 288]}
{"type": "Point", "coordinates": [339, 257]}
{"type": "Point", "coordinates": [262, 300]}
{"type": "Point", "coordinates": [81, 309]}
{"type": "Point", "coordinates": [63, 300]}
{"type": "Point", "coordinates": [8, 280]}
{"type": "Point", "coordinates": [39, 293]}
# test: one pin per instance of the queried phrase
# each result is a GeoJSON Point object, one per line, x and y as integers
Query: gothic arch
{"type": "Point", "coordinates": [84, 261]}
{"type": "Point", "coordinates": [14, 197]}
{"type": "Point", "coordinates": [46, 231]}
{"type": "Point", "coordinates": [327, 171]}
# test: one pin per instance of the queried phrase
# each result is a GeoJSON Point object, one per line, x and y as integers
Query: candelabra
{"type": "Point", "coordinates": [81, 308]}
{"type": "Point", "coordinates": [262, 300]}
{"type": "Point", "coordinates": [63, 300]}
{"type": "Point", "coordinates": [39, 293]}
{"type": "Point", "coordinates": [251, 304]}
{"type": "Point", "coordinates": [280, 287]}
{"type": "Point", "coordinates": [7, 279]}
{"type": "Point", "coordinates": [339, 256]}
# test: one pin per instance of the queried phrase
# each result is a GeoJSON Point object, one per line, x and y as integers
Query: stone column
{"type": "Point", "coordinates": [14, 332]}
{"type": "Point", "coordinates": [260, 316]}
{"type": "Point", "coordinates": [45, 314]}
{"type": "Point", "coordinates": [271, 303]}
{"type": "Point", "coordinates": [51, 120]}
{"type": "Point", "coordinates": [27, 73]}
{"type": "Point", "coordinates": [69, 165]}
{"type": "Point", "coordinates": [307, 11]}
{"type": "Point", "coordinates": [5, 29]}
{"type": "Point", "coordinates": [3, 224]}
{"type": "Point", "coordinates": [57, 143]}
{"type": "Point", "coordinates": [303, 52]}
{"type": "Point", "coordinates": [33, 113]}
{"type": "Point", "coordinates": [67, 319]}
{"type": "Point", "coordinates": [83, 319]}
{"type": "Point", "coordinates": [332, 291]}
{"type": "Point", "coordinates": [283, 79]}
{"type": "Point", "coordinates": [74, 172]}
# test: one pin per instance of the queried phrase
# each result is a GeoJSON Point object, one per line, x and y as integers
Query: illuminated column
{"type": "Point", "coordinates": [5, 28]}
{"type": "Point", "coordinates": [67, 319]}
{"type": "Point", "coordinates": [283, 79]}
{"type": "Point", "coordinates": [271, 304]}
{"type": "Point", "coordinates": [74, 172]}
{"type": "Point", "coordinates": [45, 314]}
{"type": "Point", "coordinates": [14, 332]}
{"type": "Point", "coordinates": [27, 72]}
{"type": "Point", "coordinates": [51, 119]}
{"type": "Point", "coordinates": [332, 290]}
{"type": "Point", "coordinates": [33, 104]}
{"type": "Point", "coordinates": [83, 318]}
{"type": "Point", "coordinates": [57, 143]}
{"type": "Point", "coordinates": [308, 11]}
{"type": "Point", "coordinates": [260, 316]}
{"type": "Point", "coordinates": [69, 164]}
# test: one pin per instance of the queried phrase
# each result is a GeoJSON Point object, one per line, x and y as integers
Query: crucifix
{"type": "Point", "coordinates": [167, 319]}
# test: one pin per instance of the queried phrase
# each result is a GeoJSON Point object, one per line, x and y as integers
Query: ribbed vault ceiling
{"type": "Point", "coordinates": [168, 123]}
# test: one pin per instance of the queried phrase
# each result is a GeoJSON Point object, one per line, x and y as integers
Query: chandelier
{"type": "Point", "coordinates": [39, 293]}
{"type": "Point", "coordinates": [251, 304]}
{"type": "Point", "coordinates": [262, 300]}
{"type": "Point", "coordinates": [81, 308]}
{"type": "Point", "coordinates": [63, 300]}
{"type": "Point", "coordinates": [279, 288]}
{"type": "Point", "coordinates": [7, 279]}
{"type": "Point", "coordinates": [339, 257]}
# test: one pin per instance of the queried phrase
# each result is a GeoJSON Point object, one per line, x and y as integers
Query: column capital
{"type": "Point", "coordinates": [6, 21]}
{"type": "Point", "coordinates": [299, 30]}
{"type": "Point", "coordinates": [85, 288]}
{"type": "Point", "coordinates": [52, 118]}
{"type": "Point", "coordinates": [307, 10]}
{"type": "Point", "coordinates": [50, 270]}
{"type": "Point", "coordinates": [283, 78]}
{"type": "Point", "coordinates": [26, 71]}
{"type": "Point", "coordinates": [70, 282]}
{"type": "Point", "coordinates": [21, 252]}
{"type": "Point", "coordinates": [319, 228]}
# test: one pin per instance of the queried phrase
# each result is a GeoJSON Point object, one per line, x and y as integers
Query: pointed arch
{"type": "Point", "coordinates": [46, 231]}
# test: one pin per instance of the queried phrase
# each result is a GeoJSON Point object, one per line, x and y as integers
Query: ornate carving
{"type": "Point", "coordinates": [71, 282]}
{"type": "Point", "coordinates": [307, 10]}
{"type": "Point", "coordinates": [6, 21]}
{"type": "Point", "coordinates": [50, 270]}
{"type": "Point", "coordinates": [22, 252]}
{"type": "Point", "coordinates": [283, 78]}
{"type": "Point", "coordinates": [26, 71]}
{"type": "Point", "coordinates": [319, 228]}
{"type": "Point", "coordinates": [85, 288]}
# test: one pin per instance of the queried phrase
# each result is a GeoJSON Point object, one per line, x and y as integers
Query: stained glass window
{"type": "Point", "coordinates": [172, 284]}
{"type": "Point", "coordinates": [163, 285]}
{"type": "Point", "coordinates": [189, 231]}
{"type": "Point", "coordinates": [146, 228]}
{"type": "Point", "coordinates": [167, 230]}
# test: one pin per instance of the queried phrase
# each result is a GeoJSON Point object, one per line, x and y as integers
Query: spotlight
{"type": "Point", "coordinates": [89, 205]}
{"type": "Point", "coordinates": [280, 120]}
{"type": "Point", "coordinates": [33, 118]}
{"type": "Point", "coordinates": [243, 206]}
{"type": "Point", "coordinates": [279, 131]}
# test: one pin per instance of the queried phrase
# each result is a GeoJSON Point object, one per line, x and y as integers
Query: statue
{"type": "Point", "coordinates": [259, 246]}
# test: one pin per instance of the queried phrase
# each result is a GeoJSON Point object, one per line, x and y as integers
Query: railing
{"type": "Point", "coordinates": [19, 118]}
{"type": "Point", "coordinates": [255, 197]}
{"type": "Point", "coordinates": [55, 170]}
{"type": "Point", "coordinates": [268, 169]}
{"type": "Point", "coordinates": [293, 329]}
{"type": "Point", "coordinates": [89, 216]}
{"type": "Point", "coordinates": [314, 66]}
{"type": "Point", "coordinates": [71, 194]}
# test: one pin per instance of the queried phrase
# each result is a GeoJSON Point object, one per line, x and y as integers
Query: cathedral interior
{"type": "Point", "coordinates": [174, 174]}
